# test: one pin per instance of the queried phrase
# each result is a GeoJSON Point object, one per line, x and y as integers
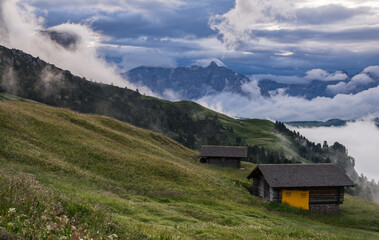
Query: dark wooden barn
{"type": "Point", "coordinates": [315, 187]}
{"type": "Point", "coordinates": [225, 156]}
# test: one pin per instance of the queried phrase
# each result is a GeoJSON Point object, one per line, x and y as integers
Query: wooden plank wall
{"type": "Point", "coordinates": [320, 195]}
{"type": "Point", "coordinates": [225, 162]}
{"type": "Point", "coordinates": [317, 195]}
{"type": "Point", "coordinates": [258, 186]}
{"type": "Point", "coordinates": [326, 195]}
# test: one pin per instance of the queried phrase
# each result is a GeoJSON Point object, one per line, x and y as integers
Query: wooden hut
{"type": "Point", "coordinates": [315, 187]}
{"type": "Point", "coordinates": [225, 156]}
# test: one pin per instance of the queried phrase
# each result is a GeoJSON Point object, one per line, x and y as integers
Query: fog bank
{"type": "Point", "coordinates": [361, 138]}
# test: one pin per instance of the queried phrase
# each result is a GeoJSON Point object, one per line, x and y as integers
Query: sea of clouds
{"type": "Point", "coordinates": [361, 138]}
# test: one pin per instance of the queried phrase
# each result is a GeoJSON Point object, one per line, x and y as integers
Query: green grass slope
{"type": "Point", "coordinates": [186, 122]}
{"type": "Point", "coordinates": [65, 175]}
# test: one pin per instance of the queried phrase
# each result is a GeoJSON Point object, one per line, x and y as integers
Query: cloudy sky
{"type": "Point", "coordinates": [251, 37]}
{"type": "Point", "coordinates": [289, 41]}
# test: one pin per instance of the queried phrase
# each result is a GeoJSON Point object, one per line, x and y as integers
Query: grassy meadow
{"type": "Point", "coordinates": [65, 175]}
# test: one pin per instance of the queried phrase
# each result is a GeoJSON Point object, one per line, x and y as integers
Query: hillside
{"type": "Point", "coordinates": [82, 176]}
{"type": "Point", "coordinates": [186, 122]}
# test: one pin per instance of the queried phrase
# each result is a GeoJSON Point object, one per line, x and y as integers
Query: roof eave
{"type": "Point", "coordinates": [353, 185]}
{"type": "Point", "coordinates": [252, 172]}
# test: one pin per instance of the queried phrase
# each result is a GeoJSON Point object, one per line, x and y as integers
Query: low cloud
{"type": "Point", "coordinates": [20, 28]}
{"type": "Point", "coordinates": [9, 81]}
{"type": "Point", "coordinates": [314, 74]}
{"type": "Point", "coordinates": [372, 71]}
{"type": "Point", "coordinates": [319, 74]}
{"type": "Point", "coordinates": [137, 57]}
{"type": "Point", "coordinates": [171, 95]}
{"type": "Point", "coordinates": [278, 78]}
{"type": "Point", "coordinates": [361, 138]}
{"type": "Point", "coordinates": [361, 79]}
{"type": "Point", "coordinates": [206, 61]}
{"type": "Point", "coordinates": [287, 108]}
{"type": "Point", "coordinates": [49, 82]}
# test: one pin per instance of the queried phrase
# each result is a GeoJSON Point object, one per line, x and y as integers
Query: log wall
{"type": "Point", "coordinates": [225, 162]}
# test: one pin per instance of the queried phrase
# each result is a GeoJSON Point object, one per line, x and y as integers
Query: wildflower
{"type": "Point", "coordinates": [65, 219]}
{"type": "Point", "coordinates": [49, 228]}
{"type": "Point", "coordinates": [11, 210]}
{"type": "Point", "coordinates": [113, 236]}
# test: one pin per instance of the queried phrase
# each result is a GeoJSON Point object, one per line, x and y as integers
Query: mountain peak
{"type": "Point", "coordinates": [213, 64]}
{"type": "Point", "coordinates": [190, 83]}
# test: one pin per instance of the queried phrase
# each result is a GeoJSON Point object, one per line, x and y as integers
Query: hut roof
{"type": "Point", "coordinates": [302, 175]}
{"type": "Point", "coordinates": [223, 151]}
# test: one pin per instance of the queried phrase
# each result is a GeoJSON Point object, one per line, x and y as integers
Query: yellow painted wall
{"type": "Point", "coordinates": [296, 198]}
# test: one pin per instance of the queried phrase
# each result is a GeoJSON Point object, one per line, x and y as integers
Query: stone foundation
{"type": "Point", "coordinates": [324, 208]}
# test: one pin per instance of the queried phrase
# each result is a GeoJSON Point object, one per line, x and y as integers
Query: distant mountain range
{"type": "Point", "coordinates": [329, 123]}
{"type": "Point", "coordinates": [313, 89]}
{"type": "Point", "coordinates": [187, 122]}
{"type": "Point", "coordinates": [194, 82]}
{"type": "Point", "coordinates": [188, 83]}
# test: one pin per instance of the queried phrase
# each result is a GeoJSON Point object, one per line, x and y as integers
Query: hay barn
{"type": "Point", "coordinates": [225, 156]}
{"type": "Point", "coordinates": [315, 187]}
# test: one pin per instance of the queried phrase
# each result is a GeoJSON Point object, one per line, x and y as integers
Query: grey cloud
{"type": "Point", "coordinates": [314, 74]}
{"type": "Point", "coordinates": [300, 35]}
{"type": "Point", "coordinates": [328, 14]}
{"type": "Point", "coordinates": [108, 5]}
{"type": "Point", "coordinates": [319, 74]}
{"type": "Point", "coordinates": [204, 62]}
{"type": "Point", "coordinates": [279, 78]}
{"type": "Point", "coordinates": [171, 31]}
{"type": "Point", "coordinates": [352, 86]}
{"type": "Point", "coordinates": [372, 71]}
{"type": "Point", "coordinates": [287, 108]}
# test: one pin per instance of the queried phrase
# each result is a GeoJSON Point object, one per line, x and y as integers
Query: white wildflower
{"type": "Point", "coordinates": [11, 210]}
{"type": "Point", "coordinates": [49, 228]}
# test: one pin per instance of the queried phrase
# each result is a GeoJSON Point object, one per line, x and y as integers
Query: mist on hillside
{"type": "Point", "coordinates": [361, 138]}
{"type": "Point", "coordinates": [71, 46]}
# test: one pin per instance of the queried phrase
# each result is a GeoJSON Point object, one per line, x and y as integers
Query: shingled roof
{"type": "Point", "coordinates": [223, 151]}
{"type": "Point", "coordinates": [302, 175]}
